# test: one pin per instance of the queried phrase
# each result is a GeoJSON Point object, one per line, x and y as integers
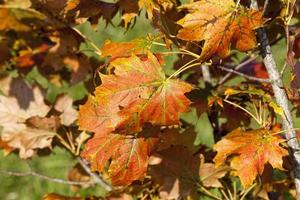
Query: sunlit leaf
{"type": "Point", "coordinates": [129, 156]}
{"type": "Point", "coordinates": [220, 23]}
{"type": "Point", "coordinates": [250, 152]}
{"type": "Point", "coordinates": [137, 92]}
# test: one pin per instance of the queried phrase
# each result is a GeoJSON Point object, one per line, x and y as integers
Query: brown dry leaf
{"type": "Point", "coordinates": [24, 103]}
{"type": "Point", "coordinates": [47, 123]}
{"type": "Point", "coordinates": [210, 174]}
{"type": "Point", "coordinates": [65, 54]}
{"type": "Point", "coordinates": [250, 152]}
{"type": "Point", "coordinates": [177, 173]}
{"type": "Point", "coordinates": [64, 104]}
{"type": "Point", "coordinates": [12, 113]}
{"type": "Point", "coordinates": [172, 137]}
{"type": "Point", "coordinates": [27, 140]}
{"type": "Point", "coordinates": [220, 23]}
{"type": "Point", "coordinates": [80, 11]}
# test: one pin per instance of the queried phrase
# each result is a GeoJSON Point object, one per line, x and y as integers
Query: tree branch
{"type": "Point", "coordinates": [224, 79]}
{"type": "Point", "coordinates": [281, 99]}
{"type": "Point", "coordinates": [97, 179]}
{"type": "Point", "coordinates": [232, 71]}
{"type": "Point", "coordinates": [41, 176]}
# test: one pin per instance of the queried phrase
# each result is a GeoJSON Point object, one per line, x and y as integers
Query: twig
{"type": "Point", "coordinates": [56, 180]}
{"type": "Point", "coordinates": [237, 68]}
{"type": "Point", "coordinates": [247, 191]}
{"type": "Point", "coordinates": [265, 6]}
{"type": "Point", "coordinates": [208, 193]}
{"type": "Point", "coordinates": [262, 80]}
{"type": "Point", "coordinates": [281, 99]}
{"type": "Point", "coordinates": [97, 179]}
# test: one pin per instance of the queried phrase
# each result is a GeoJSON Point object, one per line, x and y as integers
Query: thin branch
{"type": "Point", "coordinates": [281, 99]}
{"type": "Point", "coordinates": [48, 178]}
{"type": "Point", "coordinates": [265, 6]}
{"type": "Point", "coordinates": [97, 179]}
{"type": "Point", "coordinates": [224, 79]}
{"type": "Point", "coordinates": [247, 191]}
{"type": "Point", "coordinates": [208, 193]}
{"type": "Point", "coordinates": [232, 71]}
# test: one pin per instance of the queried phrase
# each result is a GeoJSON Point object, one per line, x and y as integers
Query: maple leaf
{"type": "Point", "coordinates": [28, 139]}
{"type": "Point", "coordinates": [23, 104]}
{"type": "Point", "coordinates": [220, 23]}
{"type": "Point", "coordinates": [137, 92]}
{"type": "Point", "coordinates": [251, 150]}
{"type": "Point", "coordinates": [129, 156]}
{"type": "Point", "coordinates": [210, 174]}
{"type": "Point", "coordinates": [178, 174]}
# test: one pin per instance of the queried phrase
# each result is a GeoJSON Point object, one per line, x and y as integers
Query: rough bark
{"type": "Point", "coordinates": [281, 99]}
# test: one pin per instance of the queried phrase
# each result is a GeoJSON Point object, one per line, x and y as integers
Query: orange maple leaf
{"type": "Point", "coordinates": [129, 156]}
{"type": "Point", "coordinates": [137, 92]}
{"type": "Point", "coordinates": [251, 150]}
{"type": "Point", "coordinates": [220, 23]}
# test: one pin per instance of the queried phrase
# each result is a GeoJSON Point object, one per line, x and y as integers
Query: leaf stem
{"type": "Point", "coordinates": [247, 191]}
{"type": "Point", "coordinates": [183, 69]}
{"type": "Point", "coordinates": [240, 107]}
{"type": "Point", "coordinates": [208, 193]}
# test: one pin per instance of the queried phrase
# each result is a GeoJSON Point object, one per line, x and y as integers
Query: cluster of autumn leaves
{"type": "Point", "coordinates": [136, 92]}
{"type": "Point", "coordinates": [134, 114]}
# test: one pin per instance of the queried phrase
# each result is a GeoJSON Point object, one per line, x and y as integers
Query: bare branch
{"type": "Point", "coordinates": [281, 99]}
{"type": "Point", "coordinates": [232, 71]}
{"type": "Point", "coordinates": [56, 180]}
{"type": "Point", "coordinates": [224, 79]}
{"type": "Point", "coordinates": [97, 179]}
